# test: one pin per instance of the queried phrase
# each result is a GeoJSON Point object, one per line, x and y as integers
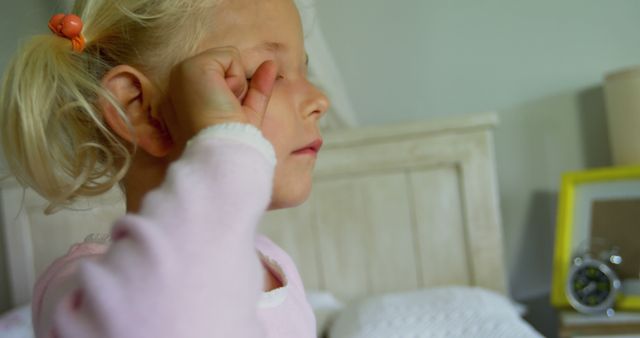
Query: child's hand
{"type": "Point", "coordinates": [212, 88]}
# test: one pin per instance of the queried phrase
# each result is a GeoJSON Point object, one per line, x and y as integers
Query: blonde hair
{"type": "Point", "coordinates": [53, 135]}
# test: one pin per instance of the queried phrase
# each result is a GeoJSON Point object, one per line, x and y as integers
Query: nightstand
{"type": "Point", "coordinates": [622, 324]}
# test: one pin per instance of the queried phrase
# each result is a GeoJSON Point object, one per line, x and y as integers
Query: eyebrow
{"type": "Point", "coordinates": [270, 46]}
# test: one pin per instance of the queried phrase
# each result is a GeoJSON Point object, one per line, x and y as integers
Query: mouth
{"type": "Point", "coordinates": [310, 149]}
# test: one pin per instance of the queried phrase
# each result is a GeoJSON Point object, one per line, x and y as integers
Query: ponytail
{"type": "Point", "coordinates": [53, 136]}
{"type": "Point", "coordinates": [53, 133]}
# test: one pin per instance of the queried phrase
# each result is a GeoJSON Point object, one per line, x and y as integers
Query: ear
{"type": "Point", "coordinates": [140, 100]}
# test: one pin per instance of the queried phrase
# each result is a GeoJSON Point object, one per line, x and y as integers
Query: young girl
{"type": "Point", "coordinates": [202, 112]}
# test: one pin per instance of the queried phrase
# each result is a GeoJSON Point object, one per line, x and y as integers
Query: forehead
{"type": "Point", "coordinates": [269, 24]}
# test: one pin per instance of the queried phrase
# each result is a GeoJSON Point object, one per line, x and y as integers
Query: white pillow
{"type": "Point", "coordinates": [443, 312]}
{"type": "Point", "coordinates": [16, 323]}
{"type": "Point", "coordinates": [325, 307]}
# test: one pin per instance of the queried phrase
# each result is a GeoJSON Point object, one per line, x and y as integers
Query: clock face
{"type": "Point", "coordinates": [592, 286]}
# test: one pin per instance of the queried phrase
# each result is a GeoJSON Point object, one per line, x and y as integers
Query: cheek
{"type": "Point", "coordinates": [293, 176]}
{"type": "Point", "coordinates": [272, 131]}
{"type": "Point", "coordinates": [278, 126]}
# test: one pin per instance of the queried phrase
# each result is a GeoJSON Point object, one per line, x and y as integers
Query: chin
{"type": "Point", "coordinates": [289, 198]}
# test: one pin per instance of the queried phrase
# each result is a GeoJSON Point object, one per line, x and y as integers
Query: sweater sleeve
{"type": "Point", "coordinates": [185, 265]}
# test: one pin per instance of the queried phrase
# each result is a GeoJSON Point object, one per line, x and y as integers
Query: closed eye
{"type": "Point", "coordinates": [279, 77]}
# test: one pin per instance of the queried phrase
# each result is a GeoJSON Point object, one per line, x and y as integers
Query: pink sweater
{"type": "Point", "coordinates": [189, 263]}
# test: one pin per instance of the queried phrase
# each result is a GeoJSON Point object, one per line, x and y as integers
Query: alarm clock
{"type": "Point", "coordinates": [592, 286]}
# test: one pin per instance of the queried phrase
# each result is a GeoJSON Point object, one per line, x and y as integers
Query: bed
{"type": "Point", "coordinates": [403, 222]}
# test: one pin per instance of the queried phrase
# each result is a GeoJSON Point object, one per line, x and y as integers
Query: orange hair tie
{"type": "Point", "coordinates": [70, 27]}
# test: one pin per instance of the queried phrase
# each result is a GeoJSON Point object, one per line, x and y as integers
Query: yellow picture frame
{"type": "Point", "coordinates": [566, 219]}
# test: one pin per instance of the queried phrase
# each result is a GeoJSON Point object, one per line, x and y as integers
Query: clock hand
{"type": "Point", "coordinates": [589, 288]}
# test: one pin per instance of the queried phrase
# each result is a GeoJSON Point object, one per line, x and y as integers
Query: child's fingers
{"type": "Point", "coordinates": [229, 66]}
{"type": "Point", "coordinates": [235, 74]}
{"type": "Point", "coordinates": [259, 92]}
{"type": "Point", "coordinates": [207, 89]}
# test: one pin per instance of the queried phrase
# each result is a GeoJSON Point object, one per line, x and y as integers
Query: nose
{"type": "Point", "coordinates": [316, 102]}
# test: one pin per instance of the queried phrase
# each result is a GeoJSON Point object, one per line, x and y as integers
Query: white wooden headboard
{"type": "Point", "coordinates": [393, 208]}
{"type": "Point", "coordinates": [398, 208]}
